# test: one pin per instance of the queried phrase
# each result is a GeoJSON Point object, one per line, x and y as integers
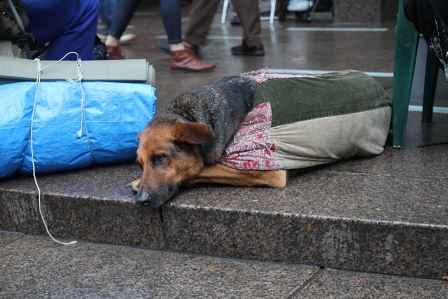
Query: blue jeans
{"type": "Point", "coordinates": [170, 10]}
{"type": "Point", "coordinates": [122, 15]}
{"type": "Point", "coordinates": [68, 25]}
{"type": "Point", "coordinates": [107, 8]}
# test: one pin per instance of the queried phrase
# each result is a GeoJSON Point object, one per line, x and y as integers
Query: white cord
{"type": "Point", "coordinates": [80, 77]}
{"type": "Point", "coordinates": [36, 95]}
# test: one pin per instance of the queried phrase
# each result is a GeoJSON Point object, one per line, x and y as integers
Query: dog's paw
{"type": "Point", "coordinates": [135, 185]}
{"type": "Point", "coordinates": [277, 178]}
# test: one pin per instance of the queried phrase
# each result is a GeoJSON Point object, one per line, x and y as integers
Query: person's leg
{"type": "Point", "coordinates": [248, 12]}
{"type": "Point", "coordinates": [107, 8]}
{"type": "Point", "coordinates": [430, 18]}
{"type": "Point", "coordinates": [182, 58]}
{"type": "Point", "coordinates": [170, 11]}
{"type": "Point", "coordinates": [202, 13]}
{"type": "Point", "coordinates": [123, 13]}
{"type": "Point", "coordinates": [68, 25]}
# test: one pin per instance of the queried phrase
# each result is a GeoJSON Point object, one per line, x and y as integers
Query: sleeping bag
{"type": "Point", "coordinates": [301, 121]}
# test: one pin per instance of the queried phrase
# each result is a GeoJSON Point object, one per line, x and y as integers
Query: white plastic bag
{"type": "Point", "coordinates": [299, 5]}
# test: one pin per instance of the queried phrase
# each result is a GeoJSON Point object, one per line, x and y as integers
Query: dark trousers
{"type": "Point", "coordinates": [430, 18]}
{"type": "Point", "coordinates": [202, 13]}
{"type": "Point", "coordinates": [170, 11]}
{"type": "Point", "coordinates": [123, 12]}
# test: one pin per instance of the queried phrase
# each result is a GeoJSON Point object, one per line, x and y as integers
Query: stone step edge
{"type": "Point", "coordinates": [387, 247]}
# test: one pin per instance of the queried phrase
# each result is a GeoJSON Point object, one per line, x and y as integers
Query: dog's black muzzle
{"type": "Point", "coordinates": [143, 198]}
{"type": "Point", "coordinates": [156, 199]}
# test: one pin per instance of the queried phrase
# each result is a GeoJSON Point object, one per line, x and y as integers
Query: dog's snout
{"type": "Point", "coordinates": [143, 197]}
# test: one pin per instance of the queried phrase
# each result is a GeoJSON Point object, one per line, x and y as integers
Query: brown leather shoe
{"type": "Point", "coordinates": [185, 60]}
{"type": "Point", "coordinates": [114, 52]}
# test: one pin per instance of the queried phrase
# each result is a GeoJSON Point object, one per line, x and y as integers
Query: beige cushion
{"type": "Point", "coordinates": [329, 139]}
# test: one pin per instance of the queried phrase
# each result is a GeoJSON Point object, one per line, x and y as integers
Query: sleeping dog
{"type": "Point", "coordinates": [184, 143]}
{"type": "Point", "coordinates": [338, 115]}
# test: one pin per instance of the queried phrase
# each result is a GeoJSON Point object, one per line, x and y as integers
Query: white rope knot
{"type": "Point", "coordinates": [79, 70]}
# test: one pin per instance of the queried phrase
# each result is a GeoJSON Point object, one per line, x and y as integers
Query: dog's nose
{"type": "Point", "coordinates": [142, 197]}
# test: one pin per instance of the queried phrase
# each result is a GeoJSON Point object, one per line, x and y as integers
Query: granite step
{"type": "Point", "coordinates": [36, 267]}
{"type": "Point", "coordinates": [386, 214]}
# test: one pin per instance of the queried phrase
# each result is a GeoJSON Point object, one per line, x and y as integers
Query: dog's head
{"type": "Point", "coordinates": [169, 154]}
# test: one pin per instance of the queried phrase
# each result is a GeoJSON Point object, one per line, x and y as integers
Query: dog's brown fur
{"type": "Point", "coordinates": [183, 144]}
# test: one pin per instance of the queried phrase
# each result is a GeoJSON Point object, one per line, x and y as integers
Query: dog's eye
{"type": "Point", "coordinates": [158, 159]}
{"type": "Point", "coordinates": [183, 146]}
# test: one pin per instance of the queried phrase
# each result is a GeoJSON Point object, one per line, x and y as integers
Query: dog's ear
{"type": "Point", "coordinates": [194, 133]}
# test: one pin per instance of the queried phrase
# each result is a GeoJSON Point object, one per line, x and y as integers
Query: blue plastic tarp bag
{"type": "Point", "coordinates": [15, 116]}
{"type": "Point", "coordinates": [73, 124]}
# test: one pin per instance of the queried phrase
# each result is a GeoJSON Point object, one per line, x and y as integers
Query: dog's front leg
{"type": "Point", "coordinates": [220, 174]}
{"type": "Point", "coordinates": [135, 185]}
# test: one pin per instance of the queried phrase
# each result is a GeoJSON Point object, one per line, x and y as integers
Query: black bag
{"type": "Point", "coordinates": [99, 49]}
{"type": "Point", "coordinates": [9, 26]}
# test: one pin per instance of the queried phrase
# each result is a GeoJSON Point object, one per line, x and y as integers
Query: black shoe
{"type": "Point", "coordinates": [245, 50]}
{"type": "Point", "coordinates": [165, 48]}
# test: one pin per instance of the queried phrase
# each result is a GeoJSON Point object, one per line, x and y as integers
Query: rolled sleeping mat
{"type": "Point", "coordinates": [14, 69]}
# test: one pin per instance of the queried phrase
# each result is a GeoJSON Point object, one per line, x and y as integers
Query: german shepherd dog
{"type": "Point", "coordinates": [183, 144]}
